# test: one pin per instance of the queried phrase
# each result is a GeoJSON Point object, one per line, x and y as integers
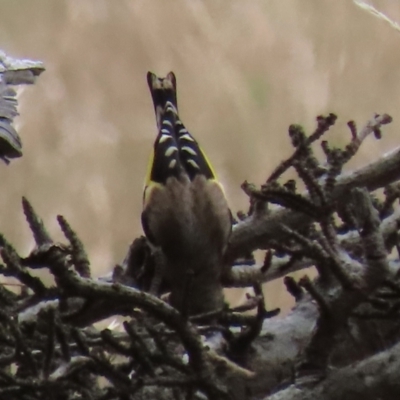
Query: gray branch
{"type": "Point", "coordinates": [13, 72]}
{"type": "Point", "coordinates": [371, 379]}
{"type": "Point", "coordinates": [19, 71]}
{"type": "Point", "coordinates": [256, 231]}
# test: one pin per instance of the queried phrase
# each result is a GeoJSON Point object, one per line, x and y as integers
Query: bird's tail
{"type": "Point", "coordinates": [162, 90]}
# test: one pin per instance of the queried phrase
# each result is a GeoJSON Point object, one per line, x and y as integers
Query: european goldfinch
{"type": "Point", "coordinates": [185, 211]}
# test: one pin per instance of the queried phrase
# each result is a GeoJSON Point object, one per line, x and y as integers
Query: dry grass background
{"type": "Point", "coordinates": [245, 69]}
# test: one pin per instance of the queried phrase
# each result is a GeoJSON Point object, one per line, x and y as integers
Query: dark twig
{"type": "Point", "coordinates": [240, 344]}
{"type": "Point", "coordinates": [38, 229]}
{"type": "Point", "coordinates": [293, 288]}
{"type": "Point", "coordinates": [12, 259]}
{"type": "Point", "coordinates": [49, 354]}
{"type": "Point", "coordinates": [323, 305]}
{"type": "Point", "coordinates": [324, 123]}
{"type": "Point", "coordinates": [79, 256]}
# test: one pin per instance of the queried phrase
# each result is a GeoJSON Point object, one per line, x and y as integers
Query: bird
{"type": "Point", "coordinates": [185, 210]}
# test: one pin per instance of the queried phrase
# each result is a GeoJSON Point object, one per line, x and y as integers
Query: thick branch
{"type": "Point", "coordinates": [243, 276]}
{"type": "Point", "coordinates": [19, 71]}
{"type": "Point", "coordinates": [257, 230]}
{"type": "Point", "coordinates": [371, 379]}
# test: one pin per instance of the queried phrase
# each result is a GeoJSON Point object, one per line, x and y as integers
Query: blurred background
{"type": "Point", "coordinates": [246, 70]}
